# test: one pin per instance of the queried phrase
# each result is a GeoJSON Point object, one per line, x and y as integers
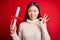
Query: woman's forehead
{"type": "Point", "coordinates": [33, 8]}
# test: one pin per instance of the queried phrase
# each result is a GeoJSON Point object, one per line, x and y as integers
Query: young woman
{"type": "Point", "coordinates": [33, 27]}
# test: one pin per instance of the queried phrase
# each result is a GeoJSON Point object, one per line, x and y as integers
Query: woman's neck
{"type": "Point", "coordinates": [32, 21]}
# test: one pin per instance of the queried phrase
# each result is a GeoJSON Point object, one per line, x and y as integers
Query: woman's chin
{"type": "Point", "coordinates": [32, 18]}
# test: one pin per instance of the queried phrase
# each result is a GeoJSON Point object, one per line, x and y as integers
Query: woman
{"type": "Point", "coordinates": [33, 27]}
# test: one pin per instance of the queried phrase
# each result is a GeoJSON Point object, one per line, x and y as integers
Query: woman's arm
{"type": "Point", "coordinates": [14, 36]}
{"type": "Point", "coordinates": [20, 32]}
{"type": "Point", "coordinates": [19, 36]}
{"type": "Point", "coordinates": [45, 35]}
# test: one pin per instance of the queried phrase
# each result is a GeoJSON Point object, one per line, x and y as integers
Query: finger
{"type": "Point", "coordinates": [12, 28]}
{"type": "Point", "coordinates": [12, 31]}
{"type": "Point", "coordinates": [46, 16]}
{"type": "Point", "coordinates": [47, 19]}
{"type": "Point", "coordinates": [40, 18]}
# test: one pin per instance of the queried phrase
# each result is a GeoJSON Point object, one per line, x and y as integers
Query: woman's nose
{"type": "Point", "coordinates": [32, 12]}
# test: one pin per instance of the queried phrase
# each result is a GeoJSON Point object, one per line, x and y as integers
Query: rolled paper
{"type": "Point", "coordinates": [18, 18]}
{"type": "Point", "coordinates": [16, 15]}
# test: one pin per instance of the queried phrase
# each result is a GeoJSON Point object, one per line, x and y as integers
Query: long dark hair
{"type": "Point", "coordinates": [29, 5]}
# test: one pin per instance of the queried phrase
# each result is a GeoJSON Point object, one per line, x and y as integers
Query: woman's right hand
{"type": "Point", "coordinates": [12, 30]}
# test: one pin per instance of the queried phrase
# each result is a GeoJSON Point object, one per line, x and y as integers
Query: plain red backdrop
{"type": "Point", "coordinates": [8, 8]}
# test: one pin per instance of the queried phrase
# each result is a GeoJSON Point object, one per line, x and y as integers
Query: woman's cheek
{"type": "Point", "coordinates": [29, 14]}
{"type": "Point", "coordinates": [36, 14]}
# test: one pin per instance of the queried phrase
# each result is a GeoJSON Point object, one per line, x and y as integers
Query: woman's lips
{"type": "Point", "coordinates": [33, 16]}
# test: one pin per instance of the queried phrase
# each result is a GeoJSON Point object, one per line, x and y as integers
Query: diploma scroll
{"type": "Point", "coordinates": [16, 15]}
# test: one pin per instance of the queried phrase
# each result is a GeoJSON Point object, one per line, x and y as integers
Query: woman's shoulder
{"type": "Point", "coordinates": [22, 25]}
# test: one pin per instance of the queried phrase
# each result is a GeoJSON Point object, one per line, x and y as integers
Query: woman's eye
{"type": "Point", "coordinates": [34, 10]}
{"type": "Point", "coordinates": [29, 11]}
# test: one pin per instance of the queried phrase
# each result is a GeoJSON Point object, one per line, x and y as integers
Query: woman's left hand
{"type": "Point", "coordinates": [44, 19]}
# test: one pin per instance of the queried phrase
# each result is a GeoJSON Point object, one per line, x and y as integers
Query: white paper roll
{"type": "Point", "coordinates": [16, 15]}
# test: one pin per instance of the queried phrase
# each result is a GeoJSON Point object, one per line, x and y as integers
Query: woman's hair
{"type": "Point", "coordinates": [29, 5]}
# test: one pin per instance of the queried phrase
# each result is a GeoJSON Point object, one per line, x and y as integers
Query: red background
{"type": "Point", "coordinates": [8, 8]}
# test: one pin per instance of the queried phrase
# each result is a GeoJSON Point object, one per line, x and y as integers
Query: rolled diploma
{"type": "Point", "coordinates": [16, 15]}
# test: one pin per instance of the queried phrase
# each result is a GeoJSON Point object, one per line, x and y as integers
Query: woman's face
{"type": "Point", "coordinates": [33, 12]}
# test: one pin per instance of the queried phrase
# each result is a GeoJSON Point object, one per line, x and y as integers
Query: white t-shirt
{"type": "Point", "coordinates": [31, 30]}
